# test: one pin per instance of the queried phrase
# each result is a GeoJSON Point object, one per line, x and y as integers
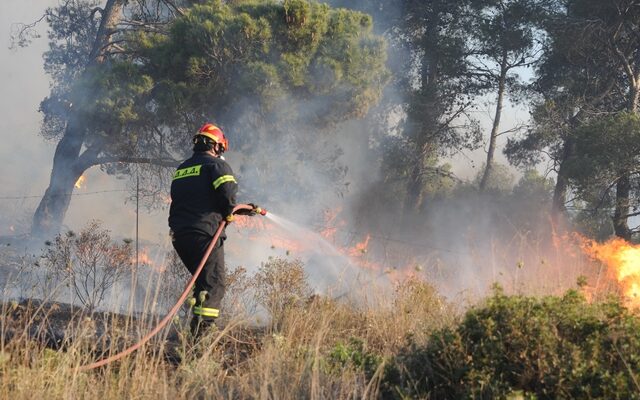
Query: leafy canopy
{"type": "Point", "coordinates": [274, 60]}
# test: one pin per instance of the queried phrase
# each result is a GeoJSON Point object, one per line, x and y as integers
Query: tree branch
{"type": "Point", "coordinates": [173, 5]}
{"type": "Point", "coordinates": [93, 12]}
{"type": "Point", "coordinates": [160, 162]}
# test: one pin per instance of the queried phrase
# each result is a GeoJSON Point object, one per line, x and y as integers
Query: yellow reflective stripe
{"type": "Point", "coordinates": [187, 172]}
{"type": "Point", "coordinates": [206, 312]}
{"type": "Point", "coordinates": [223, 179]}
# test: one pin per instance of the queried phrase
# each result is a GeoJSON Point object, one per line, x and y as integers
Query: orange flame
{"type": "Point", "coordinates": [331, 224]}
{"type": "Point", "coordinates": [360, 248]}
{"type": "Point", "coordinates": [623, 263]}
{"type": "Point", "coordinates": [262, 230]}
{"type": "Point", "coordinates": [143, 258]}
{"type": "Point", "coordinates": [80, 182]}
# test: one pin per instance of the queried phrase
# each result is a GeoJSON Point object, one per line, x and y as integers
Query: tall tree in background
{"type": "Point", "coordinates": [604, 146]}
{"type": "Point", "coordinates": [131, 85]}
{"type": "Point", "coordinates": [591, 69]}
{"type": "Point", "coordinates": [502, 39]}
{"type": "Point", "coordinates": [84, 40]}
{"type": "Point", "coordinates": [441, 90]}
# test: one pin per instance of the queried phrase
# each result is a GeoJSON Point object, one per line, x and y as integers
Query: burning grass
{"type": "Point", "coordinates": [408, 341]}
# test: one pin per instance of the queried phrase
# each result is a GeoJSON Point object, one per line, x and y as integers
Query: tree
{"type": "Point", "coordinates": [261, 68]}
{"type": "Point", "coordinates": [84, 40]}
{"type": "Point", "coordinates": [439, 90]}
{"type": "Point", "coordinates": [500, 179]}
{"type": "Point", "coordinates": [503, 39]}
{"type": "Point", "coordinates": [590, 69]}
{"type": "Point", "coordinates": [605, 148]}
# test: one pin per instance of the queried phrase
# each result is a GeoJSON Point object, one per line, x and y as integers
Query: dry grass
{"type": "Point", "coordinates": [304, 346]}
{"type": "Point", "coordinates": [314, 347]}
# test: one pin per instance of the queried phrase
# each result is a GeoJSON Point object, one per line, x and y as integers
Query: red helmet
{"type": "Point", "coordinates": [214, 133]}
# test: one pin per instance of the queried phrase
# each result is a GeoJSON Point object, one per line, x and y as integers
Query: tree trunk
{"type": "Point", "coordinates": [620, 216]}
{"type": "Point", "coordinates": [415, 187]}
{"type": "Point", "coordinates": [558, 205]}
{"type": "Point", "coordinates": [623, 186]}
{"type": "Point", "coordinates": [48, 217]}
{"type": "Point", "coordinates": [493, 137]}
{"type": "Point", "coordinates": [425, 119]}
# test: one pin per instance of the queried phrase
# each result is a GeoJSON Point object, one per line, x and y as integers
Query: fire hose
{"type": "Point", "coordinates": [180, 301]}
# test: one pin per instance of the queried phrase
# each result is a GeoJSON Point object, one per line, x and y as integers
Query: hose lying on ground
{"type": "Point", "coordinates": [178, 304]}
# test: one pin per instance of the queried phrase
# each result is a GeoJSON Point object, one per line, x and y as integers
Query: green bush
{"type": "Point", "coordinates": [550, 347]}
{"type": "Point", "coordinates": [353, 354]}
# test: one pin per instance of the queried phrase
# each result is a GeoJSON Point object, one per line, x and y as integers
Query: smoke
{"type": "Point", "coordinates": [25, 157]}
{"type": "Point", "coordinates": [462, 243]}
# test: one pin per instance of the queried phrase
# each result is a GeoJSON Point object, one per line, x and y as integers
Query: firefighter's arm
{"type": "Point", "coordinates": [225, 187]}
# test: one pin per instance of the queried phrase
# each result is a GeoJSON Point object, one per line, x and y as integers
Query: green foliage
{"type": "Point", "coordinates": [271, 73]}
{"type": "Point", "coordinates": [604, 148]}
{"type": "Point", "coordinates": [500, 178]}
{"type": "Point", "coordinates": [587, 71]}
{"type": "Point", "coordinates": [218, 56]}
{"type": "Point", "coordinates": [353, 354]}
{"type": "Point", "coordinates": [534, 186]}
{"type": "Point", "coordinates": [550, 347]}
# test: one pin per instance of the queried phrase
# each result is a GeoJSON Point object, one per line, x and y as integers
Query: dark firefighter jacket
{"type": "Point", "coordinates": [203, 191]}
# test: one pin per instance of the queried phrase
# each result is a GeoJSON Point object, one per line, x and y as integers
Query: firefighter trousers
{"type": "Point", "coordinates": [210, 286]}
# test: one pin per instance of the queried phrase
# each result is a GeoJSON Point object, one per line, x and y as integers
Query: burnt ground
{"type": "Point", "coordinates": [60, 325]}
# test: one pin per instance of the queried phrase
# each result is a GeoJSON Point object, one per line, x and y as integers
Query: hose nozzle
{"type": "Point", "coordinates": [261, 211]}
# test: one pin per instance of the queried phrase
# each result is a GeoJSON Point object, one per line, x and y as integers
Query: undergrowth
{"type": "Point", "coordinates": [311, 346]}
{"type": "Point", "coordinates": [554, 347]}
{"type": "Point", "coordinates": [405, 341]}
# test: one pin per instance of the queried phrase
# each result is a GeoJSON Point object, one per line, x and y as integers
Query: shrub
{"type": "Point", "coordinates": [550, 347]}
{"type": "Point", "coordinates": [279, 286]}
{"type": "Point", "coordinates": [90, 262]}
{"type": "Point", "coordinates": [353, 354]}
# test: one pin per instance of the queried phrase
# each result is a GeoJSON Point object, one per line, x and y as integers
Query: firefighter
{"type": "Point", "coordinates": [203, 192]}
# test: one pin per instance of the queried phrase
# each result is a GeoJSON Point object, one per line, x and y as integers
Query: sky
{"type": "Point", "coordinates": [26, 157]}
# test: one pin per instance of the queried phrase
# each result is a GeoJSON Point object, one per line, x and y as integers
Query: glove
{"type": "Point", "coordinates": [249, 213]}
{"type": "Point", "coordinates": [230, 218]}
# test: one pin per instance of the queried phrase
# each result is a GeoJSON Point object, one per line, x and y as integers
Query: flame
{"type": "Point", "coordinates": [143, 258]}
{"type": "Point", "coordinates": [80, 182]}
{"type": "Point", "coordinates": [331, 224]}
{"type": "Point", "coordinates": [623, 263]}
{"type": "Point", "coordinates": [364, 254]}
{"type": "Point", "coordinates": [360, 248]}
{"type": "Point", "coordinates": [251, 223]}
